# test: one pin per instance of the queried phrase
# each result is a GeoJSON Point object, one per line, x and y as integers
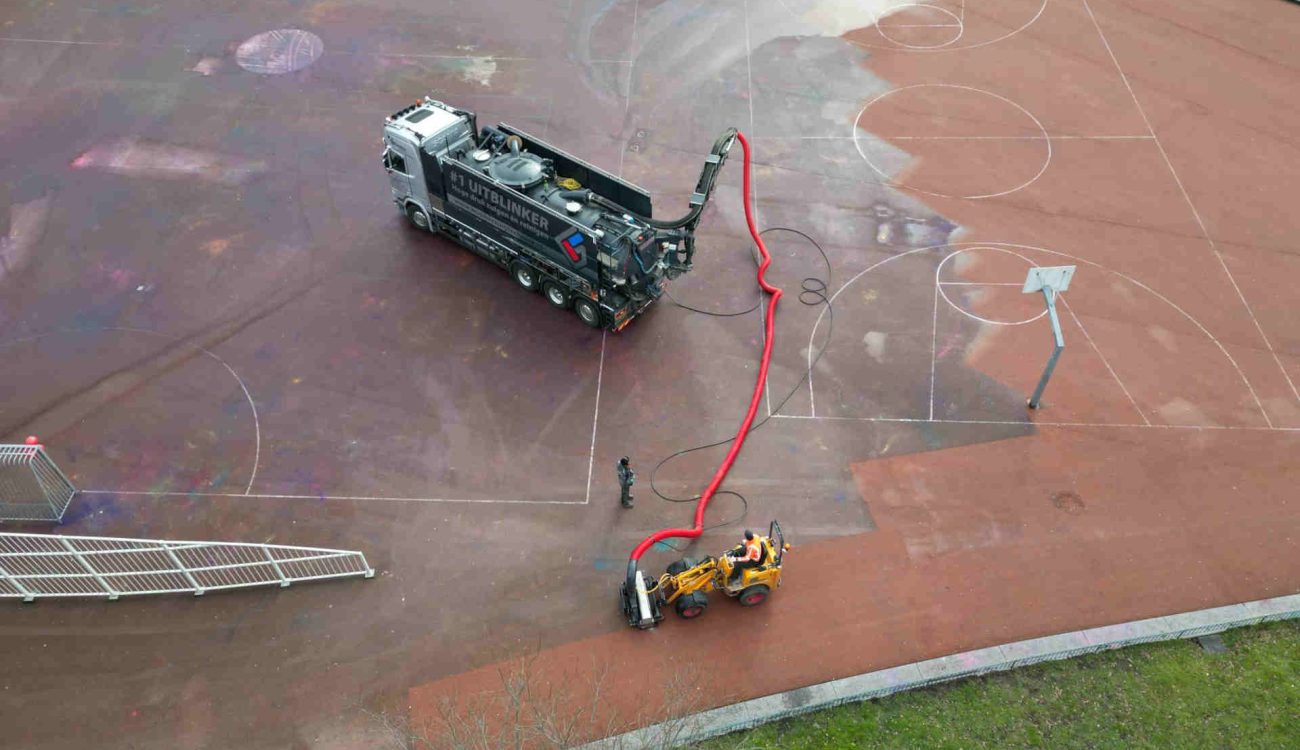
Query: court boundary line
{"type": "Point", "coordinates": [1214, 248]}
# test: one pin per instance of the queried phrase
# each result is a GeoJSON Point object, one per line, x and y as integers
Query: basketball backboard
{"type": "Point", "coordinates": [1056, 278]}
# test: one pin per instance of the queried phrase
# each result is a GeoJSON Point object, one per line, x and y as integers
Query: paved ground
{"type": "Point", "coordinates": [223, 330]}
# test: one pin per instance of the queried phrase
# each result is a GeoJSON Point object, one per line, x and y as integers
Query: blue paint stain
{"type": "Point", "coordinates": [840, 498]}
{"type": "Point", "coordinates": [220, 478]}
{"type": "Point", "coordinates": [604, 563]}
{"type": "Point", "coordinates": [664, 547]}
{"type": "Point", "coordinates": [234, 405]}
{"type": "Point", "coordinates": [93, 509]}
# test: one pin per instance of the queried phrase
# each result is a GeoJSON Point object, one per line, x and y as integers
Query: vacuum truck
{"type": "Point", "coordinates": [585, 239]}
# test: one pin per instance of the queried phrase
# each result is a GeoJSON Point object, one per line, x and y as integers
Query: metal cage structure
{"type": "Point", "coordinates": [32, 488]}
{"type": "Point", "coordinates": [37, 566]}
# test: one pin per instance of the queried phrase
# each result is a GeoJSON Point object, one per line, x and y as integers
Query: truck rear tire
{"type": "Point", "coordinates": [587, 311]}
{"type": "Point", "coordinates": [525, 276]}
{"type": "Point", "coordinates": [556, 294]}
{"type": "Point", "coordinates": [418, 217]}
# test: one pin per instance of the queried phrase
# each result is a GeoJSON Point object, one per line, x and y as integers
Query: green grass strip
{"type": "Point", "coordinates": [1162, 695]}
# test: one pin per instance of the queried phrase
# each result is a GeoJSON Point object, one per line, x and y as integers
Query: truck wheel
{"type": "Point", "coordinates": [678, 566]}
{"type": "Point", "coordinates": [417, 216]}
{"type": "Point", "coordinates": [588, 311]}
{"type": "Point", "coordinates": [526, 277]}
{"type": "Point", "coordinates": [754, 595]}
{"type": "Point", "coordinates": [556, 294]}
{"type": "Point", "coordinates": [691, 606]}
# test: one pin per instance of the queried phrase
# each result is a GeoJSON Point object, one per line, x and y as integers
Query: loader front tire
{"type": "Point", "coordinates": [691, 606]}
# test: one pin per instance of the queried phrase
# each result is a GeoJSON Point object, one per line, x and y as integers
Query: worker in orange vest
{"type": "Point", "coordinates": [748, 555]}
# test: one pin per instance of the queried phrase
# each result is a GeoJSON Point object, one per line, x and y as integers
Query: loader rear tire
{"type": "Point", "coordinates": [752, 596]}
{"type": "Point", "coordinates": [692, 606]}
{"type": "Point", "coordinates": [678, 566]}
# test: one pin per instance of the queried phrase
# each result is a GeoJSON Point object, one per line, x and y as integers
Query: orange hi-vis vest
{"type": "Point", "coordinates": [753, 550]}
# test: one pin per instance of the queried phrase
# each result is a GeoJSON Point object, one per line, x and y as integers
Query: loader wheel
{"type": "Point", "coordinates": [417, 216]}
{"type": "Point", "coordinates": [679, 566]}
{"type": "Point", "coordinates": [587, 311]}
{"type": "Point", "coordinates": [692, 606]}
{"type": "Point", "coordinates": [526, 277]}
{"type": "Point", "coordinates": [754, 595]}
{"type": "Point", "coordinates": [556, 294]}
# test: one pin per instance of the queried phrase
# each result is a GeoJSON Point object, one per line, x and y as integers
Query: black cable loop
{"type": "Point", "coordinates": [813, 292]}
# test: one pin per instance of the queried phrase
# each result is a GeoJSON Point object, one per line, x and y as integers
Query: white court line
{"type": "Point", "coordinates": [366, 498]}
{"type": "Point", "coordinates": [913, 420]}
{"type": "Point", "coordinates": [979, 283]}
{"type": "Point", "coordinates": [939, 286]}
{"type": "Point", "coordinates": [65, 41]}
{"type": "Point", "coordinates": [257, 424]}
{"type": "Point", "coordinates": [891, 181]}
{"type": "Point", "coordinates": [1104, 361]}
{"type": "Point", "coordinates": [749, 76]}
{"type": "Point", "coordinates": [934, 345]}
{"type": "Point", "coordinates": [413, 55]}
{"type": "Point", "coordinates": [631, 69]}
{"type": "Point", "coordinates": [1196, 214]}
{"type": "Point", "coordinates": [946, 48]}
{"type": "Point", "coordinates": [1048, 137]}
{"type": "Point", "coordinates": [1205, 331]}
{"type": "Point", "coordinates": [595, 417]}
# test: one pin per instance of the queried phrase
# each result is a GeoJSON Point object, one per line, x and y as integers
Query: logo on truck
{"type": "Point", "coordinates": [574, 245]}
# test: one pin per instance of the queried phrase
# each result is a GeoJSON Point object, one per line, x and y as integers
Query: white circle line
{"type": "Point", "coordinates": [961, 27]}
{"type": "Point", "coordinates": [890, 181]}
{"type": "Point", "coordinates": [939, 285]}
{"type": "Point", "coordinates": [995, 40]}
{"type": "Point", "coordinates": [257, 426]}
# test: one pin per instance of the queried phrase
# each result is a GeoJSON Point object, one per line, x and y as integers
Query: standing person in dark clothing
{"type": "Point", "coordinates": [625, 479]}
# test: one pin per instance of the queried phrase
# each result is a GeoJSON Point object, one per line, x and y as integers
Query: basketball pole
{"type": "Point", "coordinates": [1049, 295]}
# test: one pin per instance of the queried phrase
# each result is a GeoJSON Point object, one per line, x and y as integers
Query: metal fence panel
{"type": "Point", "coordinates": [32, 488]}
{"type": "Point", "coordinates": [33, 566]}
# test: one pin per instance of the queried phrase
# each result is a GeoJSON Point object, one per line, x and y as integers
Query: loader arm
{"type": "Point", "coordinates": [699, 578]}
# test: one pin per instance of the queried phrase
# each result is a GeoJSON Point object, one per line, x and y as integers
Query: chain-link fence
{"type": "Point", "coordinates": [31, 486]}
{"type": "Point", "coordinates": [34, 566]}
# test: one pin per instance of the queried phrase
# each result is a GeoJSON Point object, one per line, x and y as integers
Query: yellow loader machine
{"type": "Point", "coordinates": [689, 580]}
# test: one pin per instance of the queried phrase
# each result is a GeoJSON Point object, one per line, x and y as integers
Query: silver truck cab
{"type": "Point", "coordinates": [415, 139]}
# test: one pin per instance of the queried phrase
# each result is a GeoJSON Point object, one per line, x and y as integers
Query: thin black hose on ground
{"type": "Point", "coordinates": [813, 291]}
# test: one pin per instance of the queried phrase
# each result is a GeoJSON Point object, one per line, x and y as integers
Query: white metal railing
{"type": "Point", "coordinates": [31, 486]}
{"type": "Point", "coordinates": [34, 566]}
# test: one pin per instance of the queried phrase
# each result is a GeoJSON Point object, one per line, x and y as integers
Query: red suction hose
{"type": "Point", "coordinates": [739, 442]}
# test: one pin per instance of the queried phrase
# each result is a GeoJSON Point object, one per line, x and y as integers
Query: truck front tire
{"type": "Point", "coordinates": [588, 311]}
{"type": "Point", "coordinates": [417, 216]}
